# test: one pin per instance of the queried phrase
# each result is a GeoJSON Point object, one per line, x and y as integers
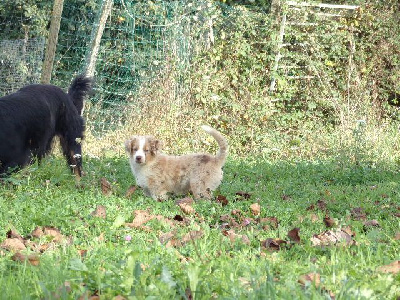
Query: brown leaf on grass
{"type": "Point", "coordinates": [311, 207]}
{"type": "Point", "coordinates": [130, 191]}
{"type": "Point", "coordinates": [188, 294]}
{"type": "Point", "coordinates": [255, 209]}
{"type": "Point", "coordinates": [100, 238]}
{"type": "Point", "coordinates": [37, 232]}
{"type": "Point", "coordinates": [294, 235]}
{"type": "Point", "coordinates": [99, 212]}
{"type": "Point", "coordinates": [178, 218]}
{"type": "Point", "coordinates": [192, 235]}
{"type": "Point", "coordinates": [397, 236]}
{"type": "Point", "coordinates": [272, 244]}
{"type": "Point", "coordinates": [273, 221]}
{"type": "Point", "coordinates": [315, 278]}
{"type": "Point", "coordinates": [13, 244]}
{"type": "Point", "coordinates": [393, 268]}
{"type": "Point", "coordinates": [310, 277]}
{"type": "Point", "coordinates": [246, 222]}
{"type": "Point", "coordinates": [186, 200]}
{"type": "Point", "coordinates": [40, 247]}
{"type": "Point", "coordinates": [32, 259]}
{"type": "Point", "coordinates": [321, 204]}
{"type": "Point", "coordinates": [370, 223]}
{"type": "Point", "coordinates": [14, 234]}
{"type": "Point", "coordinates": [358, 213]}
{"type": "Point", "coordinates": [314, 218]}
{"type": "Point", "coordinates": [187, 209]}
{"type": "Point", "coordinates": [335, 236]}
{"type": "Point", "coordinates": [165, 237]}
{"type": "Point", "coordinates": [329, 222]}
{"type": "Point", "coordinates": [228, 221]}
{"type": "Point", "coordinates": [286, 197]}
{"type": "Point", "coordinates": [141, 218]}
{"type": "Point", "coordinates": [54, 233]}
{"type": "Point", "coordinates": [243, 195]}
{"type": "Point", "coordinates": [82, 252]}
{"type": "Point", "coordinates": [233, 236]}
{"type": "Point", "coordinates": [65, 288]}
{"type": "Point", "coordinates": [105, 186]}
{"type": "Point", "coordinates": [236, 212]}
{"type": "Point", "coordinates": [222, 199]}
{"type": "Point", "coordinates": [87, 296]}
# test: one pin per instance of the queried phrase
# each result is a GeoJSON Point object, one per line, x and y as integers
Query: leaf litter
{"type": "Point", "coordinates": [49, 238]}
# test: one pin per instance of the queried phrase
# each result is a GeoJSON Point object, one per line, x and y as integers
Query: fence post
{"type": "Point", "coordinates": [47, 67]}
{"type": "Point", "coordinates": [97, 33]}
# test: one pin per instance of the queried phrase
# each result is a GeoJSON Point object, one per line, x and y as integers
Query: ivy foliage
{"type": "Point", "coordinates": [22, 18]}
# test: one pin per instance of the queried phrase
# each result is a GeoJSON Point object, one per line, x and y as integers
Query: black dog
{"type": "Point", "coordinates": [31, 117]}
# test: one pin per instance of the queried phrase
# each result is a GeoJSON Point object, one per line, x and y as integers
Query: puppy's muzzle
{"type": "Point", "coordinates": [139, 159]}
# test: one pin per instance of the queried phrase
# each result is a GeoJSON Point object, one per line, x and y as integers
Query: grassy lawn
{"type": "Point", "coordinates": [102, 241]}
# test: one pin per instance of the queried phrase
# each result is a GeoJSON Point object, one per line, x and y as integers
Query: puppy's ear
{"type": "Point", "coordinates": [155, 145]}
{"type": "Point", "coordinates": [129, 145]}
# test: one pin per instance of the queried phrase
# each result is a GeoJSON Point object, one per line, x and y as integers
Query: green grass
{"type": "Point", "coordinates": [211, 266]}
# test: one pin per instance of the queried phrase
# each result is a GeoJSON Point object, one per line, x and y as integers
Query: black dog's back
{"type": "Point", "coordinates": [31, 117]}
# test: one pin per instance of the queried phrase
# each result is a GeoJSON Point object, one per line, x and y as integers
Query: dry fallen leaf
{"type": "Point", "coordinates": [13, 244]}
{"type": "Point", "coordinates": [33, 259]}
{"type": "Point", "coordinates": [130, 191]}
{"type": "Point", "coordinates": [397, 236]}
{"type": "Point", "coordinates": [222, 199]}
{"type": "Point", "coordinates": [321, 204]}
{"type": "Point", "coordinates": [100, 212]}
{"type": "Point", "coordinates": [65, 288]}
{"type": "Point", "coordinates": [37, 232]}
{"type": "Point", "coordinates": [243, 194]}
{"type": "Point", "coordinates": [141, 217]}
{"type": "Point", "coordinates": [332, 237]}
{"type": "Point", "coordinates": [393, 268]}
{"type": "Point", "coordinates": [371, 223]}
{"type": "Point", "coordinates": [294, 235]}
{"type": "Point", "coordinates": [272, 244]}
{"type": "Point", "coordinates": [53, 232]}
{"type": "Point", "coordinates": [105, 186]}
{"type": "Point", "coordinates": [255, 209]}
{"type": "Point", "coordinates": [310, 277]}
{"type": "Point", "coordinates": [314, 218]}
{"type": "Point", "coordinates": [187, 208]}
{"type": "Point", "coordinates": [329, 222]}
{"type": "Point", "coordinates": [165, 237]}
{"type": "Point", "coordinates": [273, 221]}
{"type": "Point", "coordinates": [14, 234]}
{"type": "Point", "coordinates": [228, 221]}
{"type": "Point", "coordinates": [186, 200]}
{"type": "Point", "coordinates": [192, 235]}
{"type": "Point", "coordinates": [358, 213]}
{"type": "Point", "coordinates": [233, 236]}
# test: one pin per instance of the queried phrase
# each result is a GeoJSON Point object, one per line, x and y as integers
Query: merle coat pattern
{"type": "Point", "coordinates": [31, 117]}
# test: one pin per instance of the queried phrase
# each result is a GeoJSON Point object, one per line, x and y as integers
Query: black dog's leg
{"type": "Point", "coordinates": [73, 155]}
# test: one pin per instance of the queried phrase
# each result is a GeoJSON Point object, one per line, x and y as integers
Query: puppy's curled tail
{"type": "Point", "coordinates": [79, 88]}
{"type": "Point", "coordinates": [221, 140]}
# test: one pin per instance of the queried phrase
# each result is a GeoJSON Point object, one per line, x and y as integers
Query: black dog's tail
{"type": "Point", "coordinates": [80, 87]}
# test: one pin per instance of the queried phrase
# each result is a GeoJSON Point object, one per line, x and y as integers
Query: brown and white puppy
{"type": "Point", "coordinates": [159, 174]}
